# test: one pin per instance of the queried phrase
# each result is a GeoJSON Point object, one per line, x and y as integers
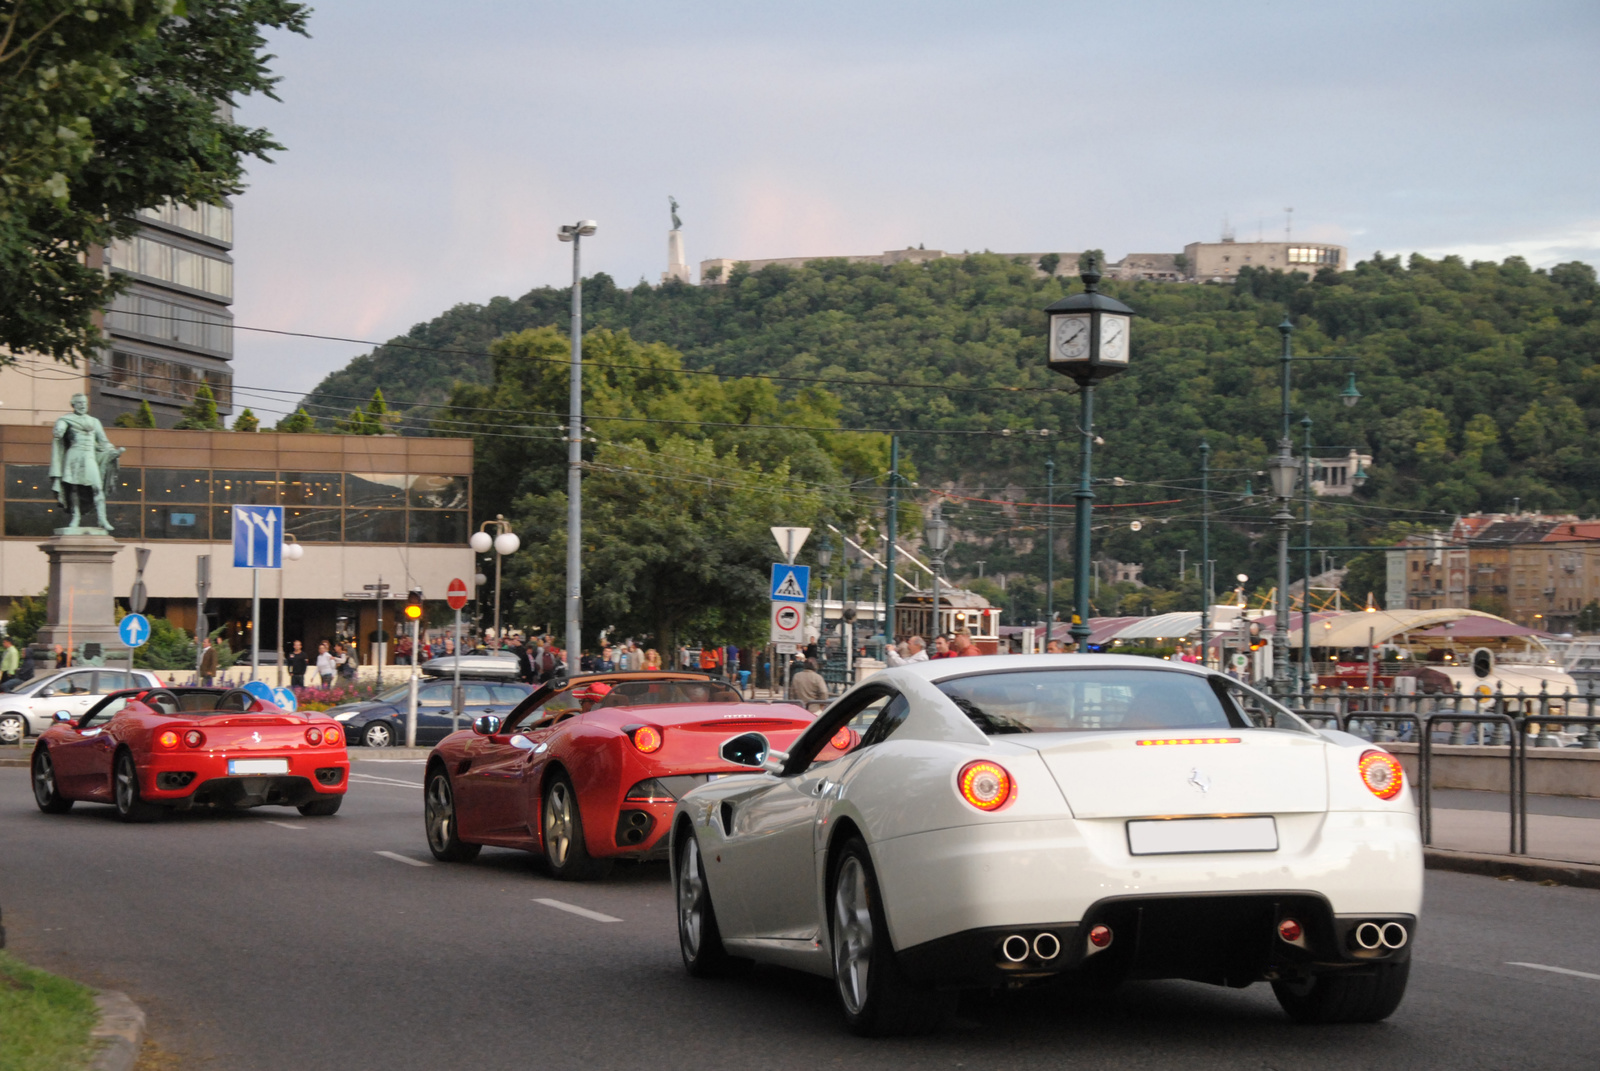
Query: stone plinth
{"type": "Point", "coordinates": [82, 605]}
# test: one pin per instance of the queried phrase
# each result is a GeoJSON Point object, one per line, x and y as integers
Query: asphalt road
{"type": "Point", "coordinates": [264, 940]}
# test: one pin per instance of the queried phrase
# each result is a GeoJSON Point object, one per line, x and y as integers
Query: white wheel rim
{"type": "Point", "coordinates": [378, 736]}
{"type": "Point", "coordinates": [852, 934]}
{"type": "Point", "coordinates": [558, 824]}
{"type": "Point", "coordinates": [10, 730]}
{"type": "Point", "coordinates": [440, 812]}
{"type": "Point", "coordinates": [44, 779]}
{"type": "Point", "coordinates": [691, 905]}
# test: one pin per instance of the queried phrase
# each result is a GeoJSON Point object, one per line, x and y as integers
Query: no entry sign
{"type": "Point", "coordinates": [456, 594]}
{"type": "Point", "coordinates": [788, 622]}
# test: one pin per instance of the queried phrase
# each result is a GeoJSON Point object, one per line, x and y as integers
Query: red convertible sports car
{"type": "Point", "coordinates": [586, 771]}
{"type": "Point", "coordinates": [147, 750]}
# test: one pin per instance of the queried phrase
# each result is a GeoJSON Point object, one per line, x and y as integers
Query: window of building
{"type": "Point", "coordinates": [169, 264]}
{"type": "Point", "coordinates": [166, 321]}
{"type": "Point", "coordinates": [1314, 254]}
{"type": "Point", "coordinates": [213, 221]}
{"type": "Point", "coordinates": [250, 488]}
{"type": "Point", "coordinates": [163, 380]}
{"type": "Point", "coordinates": [313, 489]}
{"type": "Point", "coordinates": [312, 525]}
{"type": "Point", "coordinates": [437, 526]}
{"type": "Point", "coordinates": [177, 521]}
{"type": "Point", "coordinates": [375, 489]}
{"type": "Point", "coordinates": [438, 492]}
{"type": "Point", "coordinates": [165, 486]}
{"type": "Point", "coordinates": [374, 526]}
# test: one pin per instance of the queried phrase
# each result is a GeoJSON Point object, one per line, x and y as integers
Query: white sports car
{"type": "Point", "coordinates": [1004, 820]}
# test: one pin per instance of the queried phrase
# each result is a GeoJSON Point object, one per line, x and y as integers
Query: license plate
{"type": "Point", "coordinates": [258, 766]}
{"type": "Point", "coordinates": [1185, 836]}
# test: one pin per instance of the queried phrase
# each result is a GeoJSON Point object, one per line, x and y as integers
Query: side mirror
{"type": "Point", "coordinates": [46, 693]}
{"type": "Point", "coordinates": [747, 749]}
{"type": "Point", "coordinates": [486, 725]}
{"type": "Point", "coordinates": [61, 715]}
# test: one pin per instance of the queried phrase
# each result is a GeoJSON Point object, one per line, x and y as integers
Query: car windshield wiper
{"type": "Point", "coordinates": [991, 724]}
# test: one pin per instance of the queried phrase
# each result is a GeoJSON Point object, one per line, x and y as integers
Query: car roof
{"type": "Point", "coordinates": [941, 669]}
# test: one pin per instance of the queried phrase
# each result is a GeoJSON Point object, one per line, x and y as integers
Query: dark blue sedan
{"type": "Point", "coordinates": [381, 721]}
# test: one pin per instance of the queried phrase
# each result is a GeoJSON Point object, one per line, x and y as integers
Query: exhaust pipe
{"type": "Point", "coordinates": [1015, 948]}
{"type": "Point", "coordinates": [1394, 935]}
{"type": "Point", "coordinates": [1369, 935]}
{"type": "Point", "coordinates": [1046, 946]}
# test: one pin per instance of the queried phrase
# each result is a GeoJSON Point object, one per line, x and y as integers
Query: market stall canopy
{"type": "Point", "coordinates": [1479, 628]}
{"type": "Point", "coordinates": [1175, 626]}
{"type": "Point", "coordinates": [1352, 629]}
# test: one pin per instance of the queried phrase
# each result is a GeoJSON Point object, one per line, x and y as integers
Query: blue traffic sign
{"type": "Point", "coordinates": [134, 630]}
{"type": "Point", "coordinates": [257, 537]}
{"type": "Point", "coordinates": [261, 690]}
{"type": "Point", "coordinates": [790, 583]}
{"type": "Point", "coordinates": [284, 697]}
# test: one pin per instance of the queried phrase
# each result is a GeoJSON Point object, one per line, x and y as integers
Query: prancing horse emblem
{"type": "Point", "coordinates": [1199, 780]}
{"type": "Point", "coordinates": [256, 737]}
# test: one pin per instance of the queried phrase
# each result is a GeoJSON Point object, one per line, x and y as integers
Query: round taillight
{"type": "Point", "coordinates": [1382, 773]}
{"type": "Point", "coordinates": [313, 735]}
{"type": "Point", "coordinates": [647, 738]}
{"type": "Point", "coordinates": [1290, 930]}
{"type": "Point", "coordinates": [1100, 936]}
{"type": "Point", "coordinates": [330, 735]}
{"type": "Point", "coordinates": [168, 739]}
{"type": "Point", "coordinates": [194, 738]}
{"type": "Point", "coordinates": [986, 785]}
{"type": "Point", "coordinates": [844, 739]}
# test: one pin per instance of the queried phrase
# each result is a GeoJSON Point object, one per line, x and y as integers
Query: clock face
{"type": "Point", "coordinates": [1071, 341]}
{"type": "Point", "coordinates": [1114, 339]}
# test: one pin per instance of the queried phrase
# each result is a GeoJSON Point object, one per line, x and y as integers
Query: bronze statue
{"type": "Point", "coordinates": [83, 462]}
{"type": "Point", "coordinates": [677, 224]}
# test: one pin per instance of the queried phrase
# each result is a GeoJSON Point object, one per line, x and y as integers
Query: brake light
{"type": "Point", "coordinates": [330, 735]}
{"type": "Point", "coordinates": [313, 735]}
{"type": "Point", "coordinates": [1189, 740]}
{"type": "Point", "coordinates": [168, 739]}
{"type": "Point", "coordinates": [844, 739]}
{"type": "Point", "coordinates": [194, 738]}
{"type": "Point", "coordinates": [1382, 773]}
{"type": "Point", "coordinates": [986, 785]}
{"type": "Point", "coordinates": [646, 738]}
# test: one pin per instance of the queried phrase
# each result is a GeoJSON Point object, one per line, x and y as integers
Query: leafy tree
{"type": "Point", "coordinates": [375, 418]}
{"type": "Point", "coordinates": [297, 421]}
{"type": "Point", "coordinates": [1049, 262]}
{"type": "Point", "coordinates": [1092, 257]}
{"type": "Point", "coordinates": [108, 107]}
{"type": "Point", "coordinates": [1588, 619]}
{"type": "Point", "coordinates": [27, 618]}
{"type": "Point", "coordinates": [142, 417]}
{"type": "Point", "coordinates": [247, 421]}
{"type": "Point", "coordinates": [200, 414]}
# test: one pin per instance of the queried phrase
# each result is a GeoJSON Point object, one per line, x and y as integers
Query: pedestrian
{"type": "Point", "coordinates": [347, 659]}
{"type": "Point", "coordinates": [963, 645]}
{"type": "Point", "coordinates": [208, 662]}
{"type": "Point", "coordinates": [10, 659]}
{"type": "Point", "coordinates": [402, 651]}
{"type": "Point", "coordinates": [26, 669]}
{"type": "Point", "coordinates": [808, 687]}
{"type": "Point", "coordinates": [297, 666]}
{"type": "Point", "coordinates": [652, 659]}
{"type": "Point", "coordinates": [61, 657]}
{"type": "Point", "coordinates": [325, 664]}
{"type": "Point", "coordinates": [709, 661]}
{"type": "Point", "coordinates": [525, 670]}
{"type": "Point", "coordinates": [918, 653]}
{"type": "Point", "coordinates": [605, 663]}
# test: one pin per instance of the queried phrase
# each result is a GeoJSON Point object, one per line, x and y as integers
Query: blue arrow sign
{"type": "Point", "coordinates": [257, 537]}
{"type": "Point", "coordinates": [284, 698]}
{"type": "Point", "coordinates": [134, 630]}
{"type": "Point", "coordinates": [790, 583]}
{"type": "Point", "coordinates": [261, 690]}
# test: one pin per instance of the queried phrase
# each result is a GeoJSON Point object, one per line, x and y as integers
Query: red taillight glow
{"type": "Point", "coordinates": [313, 735]}
{"type": "Point", "coordinates": [844, 739]}
{"type": "Point", "coordinates": [1382, 773]}
{"type": "Point", "coordinates": [1289, 930]}
{"type": "Point", "coordinates": [168, 739]}
{"type": "Point", "coordinates": [194, 738]}
{"type": "Point", "coordinates": [1190, 740]}
{"type": "Point", "coordinates": [330, 735]}
{"type": "Point", "coordinates": [1100, 936]}
{"type": "Point", "coordinates": [986, 785]}
{"type": "Point", "coordinates": [647, 738]}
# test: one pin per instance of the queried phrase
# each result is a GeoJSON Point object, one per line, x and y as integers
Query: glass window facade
{"type": "Point", "coordinates": [213, 221]}
{"type": "Point", "coordinates": [167, 321]}
{"type": "Point", "coordinates": [156, 377]}
{"type": "Point", "coordinates": [171, 264]}
{"type": "Point", "coordinates": [196, 504]}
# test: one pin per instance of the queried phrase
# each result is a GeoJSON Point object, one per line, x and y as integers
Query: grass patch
{"type": "Point", "coordinates": [44, 1020]}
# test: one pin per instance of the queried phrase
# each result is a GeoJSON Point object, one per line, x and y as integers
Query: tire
{"type": "Point", "coordinates": [876, 997]}
{"type": "Point", "coordinates": [1368, 997]}
{"type": "Point", "coordinates": [439, 821]}
{"type": "Point", "coordinates": [125, 792]}
{"type": "Point", "coordinates": [699, 937]}
{"type": "Point", "coordinates": [46, 790]}
{"type": "Point", "coordinates": [13, 729]}
{"type": "Point", "coordinates": [326, 807]}
{"type": "Point", "coordinates": [561, 834]}
{"type": "Point", "coordinates": [377, 734]}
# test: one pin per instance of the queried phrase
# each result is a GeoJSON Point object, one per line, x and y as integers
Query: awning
{"type": "Point", "coordinates": [1360, 627]}
{"type": "Point", "coordinates": [1479, 628]}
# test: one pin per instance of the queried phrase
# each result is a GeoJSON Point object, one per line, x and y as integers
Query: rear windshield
{"type": "Point", "coordinates": [1090, 700]}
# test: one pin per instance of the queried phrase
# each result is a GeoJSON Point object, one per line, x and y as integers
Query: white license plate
{"type": "Point", "coordinates": [1183, 836]}
{"type": "Point", "coordinates": [249, 766]}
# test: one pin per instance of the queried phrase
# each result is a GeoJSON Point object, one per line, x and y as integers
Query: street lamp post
{"type": "Point", "coordinates": [292, 551]}
{"type": "Point", "coordinates": [574, 233]}
{"type": "Point", "coordinates": [1088, 342]}
{"type": "Point", "coordinates": [504, 542]}
{"type": "Point", "coordinates": [1205, 553]}
{"type": "Point", "coordinates": [1049, 549]}
{"type": "Point", "coordinates": [938, 538]}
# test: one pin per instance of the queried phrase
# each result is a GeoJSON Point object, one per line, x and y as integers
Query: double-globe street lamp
{"type": "Point", "coordinates": [936, 535]}
{"type": "Point", "coordinates": [503, 542]}
{"type": "Point", "coordinates": [1088, 343]}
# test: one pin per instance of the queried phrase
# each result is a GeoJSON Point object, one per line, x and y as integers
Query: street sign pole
{"type": "Point", "coordinates": [456, 597]}
{"type": "Point", "coordinates": [381, 651]}
{"type": "Point", "coordinates": [255, 622]}
{"type": "Point", "coordinates": [202, 588]}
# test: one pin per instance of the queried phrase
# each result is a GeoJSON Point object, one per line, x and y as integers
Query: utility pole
{"type": "Point", "coordinates": [1049, 549]}
{"type": "Point", "coordinates": [575, 234]}
{"type": "Point", "coordinates": [1205, 552]}
{"type": "Point", "coordinates": [894, 517]}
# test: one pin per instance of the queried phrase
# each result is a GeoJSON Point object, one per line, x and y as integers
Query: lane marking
{"type": "Point", "coordinates": [397, 857]}
{"type": "Point", "coordinates": [391, 782]}
{"type": "Point", "coordinates": [576, 910]}
{"type": "Point", "coordinates": [1555, 970]}
{"type": "Point", "coordinates": [283, 825]}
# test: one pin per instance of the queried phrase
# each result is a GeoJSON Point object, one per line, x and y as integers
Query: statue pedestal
{"type": "Point", "coordinates": [81, 610]}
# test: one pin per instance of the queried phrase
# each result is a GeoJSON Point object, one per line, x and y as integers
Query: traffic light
{"type": "Point", "coordinates": [413, 610]}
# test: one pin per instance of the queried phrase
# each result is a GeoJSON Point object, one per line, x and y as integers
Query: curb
{"type": "Point", "coordinates": [119, 1035]}
{"type": "Point", "coordinates": [20, 760]}
{"type": "Point", "coordinates": [1521, 867]}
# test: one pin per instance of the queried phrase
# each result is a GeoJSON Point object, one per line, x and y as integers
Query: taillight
{"type": "Point", "coordinates": [646, 738]}
{"type": "Point", "coordinates": [194, 738]}
{"type": "Point", "coordinates": [313, 735]}
{"type": "Point", "coordinates": [844, 739]}
{"type": "Point", "coordinates": [1100, 936]}
{"type": "Point", "coordinates": [330, 735]}
{"type": "Point", "coordinates": [168, 739]}
{"type": "Point", "coordinates": [1290, 930]}
{"type": "Point", "coordinates": [1382, 773]}
{"type": "Point", "coordinates": [986, 785]}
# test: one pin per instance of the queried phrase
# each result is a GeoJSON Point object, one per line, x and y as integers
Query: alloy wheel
{"type": "Point", "coordinates": [127, 783]}
{"type": "Point", "coordinates": [441, 812]}
{"type": "Point", "coordinates": [558, 823]}
{"type": "Point", "coordinates": [378, 735]}
{"type": "Point", "coordinates": [852, 934]}
{"type": "Point", "coordinates": [691, 899]}
{"type": "Point", "coordinates": [10, 729]}
{"type": "Point", "coordinates": [44, 779]}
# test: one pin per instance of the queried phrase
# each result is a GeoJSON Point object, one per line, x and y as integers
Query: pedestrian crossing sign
{"type": "Point", "coordinates": [790, 583]}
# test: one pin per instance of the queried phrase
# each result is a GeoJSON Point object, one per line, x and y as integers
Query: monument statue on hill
{"type": "Point", "coordinates": [677, 224]}
{"type": "Point", "coordinates": [83, 466]}
{"type": "Point", "coordinates": [677, 263]}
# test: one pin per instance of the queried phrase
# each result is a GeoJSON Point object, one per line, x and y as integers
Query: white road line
{"type": "Point", "coordinates": [576, 910]}
{"type": "Point", "coordinates": [283, 825]}
{"type": "Point", "coordinates": [392, 782]}
{"type": "Point", "coordinates": [1555, 970]}
{"type": "Point", "coordinates": [397, 857]}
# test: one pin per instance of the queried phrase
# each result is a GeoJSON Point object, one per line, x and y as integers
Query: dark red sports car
{"type": "Point", "coordinates": [147, 750]}
{"type": "Point", "coordinates": [587, 771]}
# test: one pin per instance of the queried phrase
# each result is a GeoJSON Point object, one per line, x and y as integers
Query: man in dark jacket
{"type": "Point", "coordinates": [297, 666]}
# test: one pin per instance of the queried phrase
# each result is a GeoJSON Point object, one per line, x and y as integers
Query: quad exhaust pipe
{"type": "Point", "coordinates": [1372, 936]}
{"type": "Point", "coordinates": [1017, 948]}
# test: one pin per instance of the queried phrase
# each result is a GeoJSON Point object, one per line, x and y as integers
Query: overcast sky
{"type": "Point", "coordinates": [434, 148]}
